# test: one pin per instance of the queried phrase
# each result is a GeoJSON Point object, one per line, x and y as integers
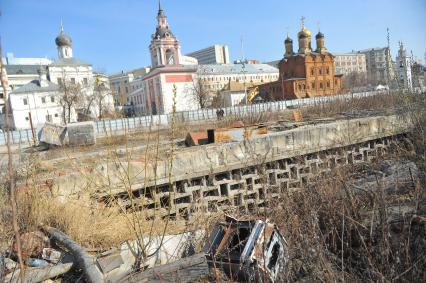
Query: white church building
{"type": "Point", "coordinates": [39, 101]}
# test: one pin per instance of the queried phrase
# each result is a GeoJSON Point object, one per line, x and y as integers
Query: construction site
{"type": "Point", "coordinates": [326, 192]}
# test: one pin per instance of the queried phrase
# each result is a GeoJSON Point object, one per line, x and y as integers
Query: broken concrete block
{"type": "Point", "coordinates": [110, 262]}
{"type": "Point", "coordinates": [53, 134]}
{"type": "Point", "coordinates": [8, 263]}
{"type": "Point", "coordinates": [82, 133]}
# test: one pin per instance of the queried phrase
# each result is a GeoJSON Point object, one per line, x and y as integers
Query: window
{"type": "Point", "coordinates": [59, 81]}
{"type": "Point", "coordinates": [321, 85]}
{"type": "Point", "coordinates": [328, 84]}
{"type": "Point", "coordinates": [27, 119]}
{"type": "Point", "coordinates": [127, 89]}
{"type": "Point", "coordinates": [320, 71]}
{"type": "Point", "coordinates": [25, 101]}
{"type": "Point", "coordinates": [85, 81]}
{"type": "Point", "coordinates": [49, 118]}
{"type": "Point", "coordinates": [327, 70]}
{"type": "Point", "coordinates": [300, 87]}
{"type": "Point", "coordinates": [312, 71]}
{"type": "Point", "coordinates": [52, 99]}
{"type": "Point", "coordinates": [73, 80]}
{"type": "Point", "coordinates": [56, 115]}
{"type": "Point", "coordinates": [313, 85]}
{"type": "Point", "coordinates": [43, 100]}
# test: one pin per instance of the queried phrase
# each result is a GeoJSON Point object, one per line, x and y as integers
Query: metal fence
{"type": "Point", "coordinates": [119, 126]}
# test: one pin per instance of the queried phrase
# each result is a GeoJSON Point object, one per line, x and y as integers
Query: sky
{"type": "Point", "coordinates": [114, 35]}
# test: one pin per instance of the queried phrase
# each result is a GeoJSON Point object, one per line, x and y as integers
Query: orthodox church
{"type": "Point", "coordinates": [41, 99]}
{"type": "Point", "coordinates": [305, 73]}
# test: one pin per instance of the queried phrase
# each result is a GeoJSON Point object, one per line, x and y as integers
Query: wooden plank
{"type": "Point", "coordinates": [187, 269]}
{"type": "Point", "coordinates": [39, 274]}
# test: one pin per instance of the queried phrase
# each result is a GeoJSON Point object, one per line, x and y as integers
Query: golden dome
{"type": "Point", "coordinates": [304, 30]}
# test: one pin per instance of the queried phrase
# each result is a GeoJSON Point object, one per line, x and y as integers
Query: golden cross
{"type": "Point", "coordinates": [303, 21]}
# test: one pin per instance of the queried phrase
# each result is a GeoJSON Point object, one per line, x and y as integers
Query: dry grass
{"type": "Point", "coordinates": [93, 225]}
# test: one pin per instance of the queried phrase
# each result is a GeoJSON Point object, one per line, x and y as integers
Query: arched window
{"type": "Point", "coordinates": [170, 57]}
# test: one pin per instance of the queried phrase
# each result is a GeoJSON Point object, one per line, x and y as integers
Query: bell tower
{"type": "Point", "coordinates": [164, 47]}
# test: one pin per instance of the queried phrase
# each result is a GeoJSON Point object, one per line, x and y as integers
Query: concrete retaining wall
{"type": "Point", "coordinates": [234, 174]}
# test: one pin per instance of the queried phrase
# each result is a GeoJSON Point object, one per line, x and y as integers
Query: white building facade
{"type": "Point", "coordinates": [216, 54]}
{"type": "Point", "coordinates": [217, 77]}
{"type": "Point", "coordinates": [18, 75]}
{"type": "Point", "coordinates": [10, 59]}
{"type": "Point", "coordinates": [347, 63]}
{"type": "Point", "coordinates": [36, 103]}
{"type": "Point", "coordinates": [379, 65]}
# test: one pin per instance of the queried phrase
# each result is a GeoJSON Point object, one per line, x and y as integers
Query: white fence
{"type": "Point", "coordinates": [117, 126]}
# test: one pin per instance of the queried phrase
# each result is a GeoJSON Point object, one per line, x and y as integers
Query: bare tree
{"type": "Point", "coordinates": [218, 101]}
{"type": "Point", "coordinates": [354, 80]}
{"type": "Point", "coordinates": [200, 91]}
{"type": "Point", "coordinates": [99, 98]}
{"type": "Point", "coordinates": [70, 97]}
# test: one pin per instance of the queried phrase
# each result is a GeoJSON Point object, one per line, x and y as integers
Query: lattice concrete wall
{"type": "Point", "coordinates": [248, 187]}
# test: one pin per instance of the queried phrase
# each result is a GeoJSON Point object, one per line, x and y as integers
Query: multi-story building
{"type": "Point", "coordinates": [20, 72]}
{"type": "Point", "coordinates": [403, 67]}
{"type": "Point", "coordinates": [216, 54]}
{"type": "Point", "coordinates": [217, 77]}
{"type": "Point", "coordinates": [18, 75]}
{"type": "Point", "coordinates": [305, 73]}
{"type": "Point", "coordinates": [120, 87]}
{"type": "Point", "coordinates": [121, 84]}
{"type": "Point", "coordinates": [36, 103]}
{"type": "Point", "coordinates": [379, 65]}
{"type": "Point", "coordinates": [348, 63]}
{"type": "Point", "coordinates": [419, 76]}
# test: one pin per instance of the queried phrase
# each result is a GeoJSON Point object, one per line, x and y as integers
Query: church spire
{"type": "Point", "coordinates": [160, 9]}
